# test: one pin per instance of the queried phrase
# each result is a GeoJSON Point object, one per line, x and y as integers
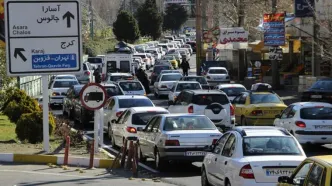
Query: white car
{"type": "Point", "coordinates": [87, 75]}
{"type": "Point", "coordinates": [217, 75]}
{"type": "Point", "coordinates": [176, 137]}
{"type": "Point", "coordinates": [180, 86]}
{"type": "Point", "coordinates": [252, 156]}
{"type": "Point", "coordinates": [132, 87]}
{"type": "Point", "coordinates": [132, 118]}
{"type": "Point", "coordinates": [212, 103]}
{"type": "Point", "coordinates": [145, 58]}
{"type": "Point", "coordinates": [232, 90]}
{"type": "Point", "coordinates": [309, 122]}
{"type": "Point", "coordinates": [152, 59]}
{"type": "Point", "coordinates": [117, 104]}
{"type": "Point", "coordinates": [164, 83]}
{"type": "Point", "coordinates": [58, 90]}
{"type": "Point", "coordinates": [187, 46]}
{"type": "Point", "coordinates": [59, 77]}
{"type": "Point", "coordinates": [154, 52]}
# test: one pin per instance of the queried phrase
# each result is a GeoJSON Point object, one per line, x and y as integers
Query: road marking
{"type": "Point", "coordinates": [46, 173]}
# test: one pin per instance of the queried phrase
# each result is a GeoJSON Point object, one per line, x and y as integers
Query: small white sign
{"type": "Point", "coordinates": [93, 96]}
{"type": "Point", "coordinates": [258, 64]}
{"type": "Point", "coordinates": [43, 37]}
{"type": "Point", "coordinates": [275, 53]}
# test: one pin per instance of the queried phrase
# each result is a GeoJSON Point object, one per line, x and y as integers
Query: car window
{"type": "Point", "coordinates": [270, 145]}
{"type": "Point", "coordinates": [217, 71]}
{"type": "Point", "coordinates": [149, 126]}
{"type": "Point", "coordinates": [144, 118]}
{"type": "Point", "coordinates": [264, 98]}
{"type": "Point", "coordinates": [316, 113]}
{"type": "Point", "coordinates": [220, 143]}
{"type": "Point", "coordinates": [111, 105]}
{"type": "Point", "coordinates": [95, 60]}
{"type": "Point", "coordinates": [85, 67]}
{"type": "Point", "coordinates": [243, 99]}
{"type": "Point", "coordinates": [229, 147]}
{"type": "Point", "coordinates": [237, 99]}
{"type": "Point", "coordinates": [125, 66]}
{"type": "Point", "coordinates": [64, 84]}
{"type": "Point", "coordinates": [233, 91]}
{"type": "Point", "coordinates": [188, 86]}
{"type": "Point", "coordinates": [131, 86]}
{"type": "Point", "coordinates": [292, 112]}
{"type": "Point", "coordinates": [121, 117]}
{"type": "Point", "coordinates": [315, 175]}
{"type": "Point", "coordinates": [127, 103]}
{"type": "Point", "coordinates": [125, 118]}
{"type": "Point", "coordinates": [322, 85]}
{"type": "Point", "coordinates": [286, 111]}
{"type": "Point", "coordinates": [113, 91]}
{"type": "Point", "coordinates": [207, 99]}
{"type": "Point", "coordinates": [173, 123]}
{"type": "Point", "coordinates": [300, 176]}
{"type": "Point", "coordinates": [155, 127]}
{"type": "Point", "coordinates": [65, 77]}
{"type": "Point", "coordinates": [171, 77]}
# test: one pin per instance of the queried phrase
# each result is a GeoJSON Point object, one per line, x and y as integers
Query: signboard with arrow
{"type": "Point", "coordinates": [43, 37]}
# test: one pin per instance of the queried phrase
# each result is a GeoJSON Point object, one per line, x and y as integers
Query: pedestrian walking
{"type": "Point", "coordinates": [143, 78]}
{"type": "Point", "coordinates": [185, 66]}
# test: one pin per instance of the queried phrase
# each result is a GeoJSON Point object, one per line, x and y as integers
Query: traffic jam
{"type": "Point", "coordinates": [240, 137]}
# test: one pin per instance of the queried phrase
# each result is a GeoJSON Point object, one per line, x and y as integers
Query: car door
{"type": "Point", "coordinates": [122, 128]}
{"type": "Point", "coordinates": [145, 136]}
{"type": "Point", "coordinates": [108, 111]}
{"type": "Point", "coordinates": [289, 122]}
{"type": "Point", "coordinates": [279, 122]}
{"type": "Point", "coordinates": [299, 174]}
{"type": "Point", "coordinates": [151, 140]}
{"type": "Point", "coordinates": [115, 128]}
{"type": "Point", "coordinates": [211, 165]}
{"type": "Point", "coordinates": [156, 83]}
{"type": "Point", "coordinates": [316, 176]}
{"type": "Point", "coordinates": [239, 106]}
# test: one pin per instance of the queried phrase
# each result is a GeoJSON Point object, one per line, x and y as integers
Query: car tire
{"type": "Point", "coordinates": [159, 162]}
{"type": "Point", "coordinates": [141, 158]}
{"type": "Point", "coordinates": [204, 179]}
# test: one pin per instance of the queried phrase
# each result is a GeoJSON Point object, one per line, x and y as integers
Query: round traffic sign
{"type": "Point", "coordinates": [93, 96]}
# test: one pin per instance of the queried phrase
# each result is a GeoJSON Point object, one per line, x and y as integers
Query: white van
{"type": "Point", "coordinates": [118, 63]}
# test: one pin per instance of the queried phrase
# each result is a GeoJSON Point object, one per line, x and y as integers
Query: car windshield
{"type": "Point", "coordinates": [131, 86]}
{"type": "Point", "coordinates": [158, 69]}
{"type": "Point", "coordinates": [207, 99]}
{"type": "Point", "coordinates": [217, 71]}
{"type": "Point", "coordinates": [270, 145]}
{"type": "Point", "coordinates": [200, 80]}
{"type": "Point", "coordinates": [322, 85]}
{"type": "Point", "coordinates": [233, 91]}
{"type": "Point", "coordinates": [65, 77]}
{"type": "Point", "coordinates": [113, 91]}
{"type": "Point", "coordinates": [170, 71]}
{"type": "Point", "coordinates": [171, 77]}
{"type": "Point", "coordinates": [143, 118]}
{"type": "Point", "coordinates": [264, 98]}
{"type": "Point", "coordinates": [188, 123]}
{"type": "Point", "coordinates": [127, 103]}
{"type": "Point", "coordinates": [316, 113]}
{"type": "Point", "coordinates": [187, 86]}
{"type": "Point", "coordinates": [95, 60]}
{"type": "Point", "coordinates": [64, 84]}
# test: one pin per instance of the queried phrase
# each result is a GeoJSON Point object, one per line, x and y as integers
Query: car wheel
{"type": "Point", "coordinates": [141, 157]}
{"type": "Point", "coordinates": [204, 179]}
{"type": "Point", "coordinates": [159, 162]}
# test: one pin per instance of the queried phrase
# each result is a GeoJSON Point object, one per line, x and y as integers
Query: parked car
{"type": "Point", "coordinates": [164, 83]}
{"type": "Point", "coordinates": [217, 75]}
{"type": "Point", "coordinates": [320, 91]}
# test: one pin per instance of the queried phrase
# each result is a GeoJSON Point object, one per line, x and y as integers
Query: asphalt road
{"type": "Point", "coordinates": [189, 175]}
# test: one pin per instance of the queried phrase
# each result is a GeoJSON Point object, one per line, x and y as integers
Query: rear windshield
{"type": "Point", "coordinates": [217, 71]}
{"type": "Point", "coordinates": [143, 118]}
{"type": "Point", "coordinates": [276, 145]}
{"type": "Point", "coordinates": [188, 123]}
{"type": "Point", "coordinates": [64, 84]}
{"type": "Point", "coordinates": [113, 91]}
{"type": "Point", "coordinates": [210, 98]}
{"type": "Point", "coordinates": [127, 103]}
{"type": "Point", "coordinates": [65, 77]}
{"type": "Point", "coordinates": [322, 85]}
{"type": "Point", "coordinates": [200, 80]}
{"type": "Point", "coordinates": [173, 77]}
{"type": "Point", "coordinates": [158, 69]}
{"type": "Point", "coordinates": [187, 86]}
{"type": "Point", "coordinates": [316, 113]}
{"type": "Point", "coordinates": [264, 98]}
{"type": "Point", "coordinates": [233, 91]}
{"type": "Point", "coordinates": [117, 78]}
{"type": "Point", "coordinates": [95, 60]}
{"type": "Point", "coordinates": [131, 86]}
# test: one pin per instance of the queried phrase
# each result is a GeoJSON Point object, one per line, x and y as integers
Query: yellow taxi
{"type": "Point", "coordinates": [172, 60]}
{"type": "Point", "coordinates": [257, 107]}
{"type": "Point", "coordinates": [313, 171]}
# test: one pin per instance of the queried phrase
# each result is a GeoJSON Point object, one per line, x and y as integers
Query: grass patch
{"type": "Point", "coordinates": [7, 129]}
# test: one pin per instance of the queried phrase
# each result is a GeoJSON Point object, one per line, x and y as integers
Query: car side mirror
{"type": "Point", "coordinates": [285, 179]}
{"type": "Point", "coordinates": [278, 116]}
{"type": "Point", "coordinates": [113, 121]}
{"type": "Point", "coordinates": [170, 102]}
{"type": "Point", "coordinates": [141, 129]}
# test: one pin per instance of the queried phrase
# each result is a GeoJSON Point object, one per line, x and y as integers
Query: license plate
{"type": "Point", "coordinates": [195, 153]}
{"type": "Point", "coordinates": [316, 96]}
{"type": "Point", "coordinates": [279, 172]}
{"type": "Point", "coordinates": [323, 127]}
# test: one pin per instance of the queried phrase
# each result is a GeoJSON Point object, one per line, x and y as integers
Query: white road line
{"type": "Point", "coordinates": [46, 173]}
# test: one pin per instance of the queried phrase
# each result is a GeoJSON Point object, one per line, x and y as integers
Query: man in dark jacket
{"type": "Point", "coordinates": [185, 66]}
{"type": "Point", "coordinates": [143, 78]}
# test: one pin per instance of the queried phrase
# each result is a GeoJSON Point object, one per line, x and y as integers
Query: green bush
{"type": "Point", "coordinates": [18, 103]}
{"type": "Point", "coordinates": [93, 48]}
{"type": "Point", "coordinates": [30, 127]}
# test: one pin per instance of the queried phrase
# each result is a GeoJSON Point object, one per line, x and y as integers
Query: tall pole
{"type": "Point", "coordinates": [314, 47]}
{"type": "Point", "coordinates": [91, 20]}
{"type": "Point", "coordinates": [275, 70]}
{"type": "Point", "coordinates": [198, 36]}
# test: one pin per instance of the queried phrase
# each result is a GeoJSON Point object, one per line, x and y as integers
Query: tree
{"type": "Point", "coordinates": [175, 16]}
{"type": "Point", "coordinates": [5, 81]}
{"type": "Point", "coordinates": [149, 19]}
{"type": "Point", "coordinates": [125, 28]}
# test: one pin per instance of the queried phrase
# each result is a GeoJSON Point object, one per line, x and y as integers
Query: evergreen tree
{"type": "Point", "coordinates": [175, 16]}
{"type": "Point", "coordinates": [125, 28]}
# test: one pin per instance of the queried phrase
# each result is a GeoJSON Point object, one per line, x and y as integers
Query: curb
{"type": "Point", "coordinates": [45, 159]}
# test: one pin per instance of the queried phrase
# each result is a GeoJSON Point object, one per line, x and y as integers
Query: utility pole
{"type": "Point", "coordinates": [274, 63]}
{"type": "Point", "coordinates": [198, 36]}
{"type": "Point", "coordinates": [91, 20]}
{"type": "Point", "coordinates": [314, 47]}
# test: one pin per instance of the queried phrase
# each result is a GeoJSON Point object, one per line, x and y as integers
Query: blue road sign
{"type": "Point", "coordinates": [54, 61]}
{"type": "Point", "coordinates": [304, 8]}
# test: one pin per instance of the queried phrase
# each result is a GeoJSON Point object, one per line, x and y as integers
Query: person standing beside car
{"type": "Point", "coordinates": [185, 66]}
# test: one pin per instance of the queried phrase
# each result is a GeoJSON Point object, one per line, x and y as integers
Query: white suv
{"type": "Point", "coordinates": [212, 103]}
{"type": "Point", "coordinates": [217, 75]}
{"type": "Point", "coordinates": [309, 122]}
{"type": "Point", "coordinates": [251, 156]}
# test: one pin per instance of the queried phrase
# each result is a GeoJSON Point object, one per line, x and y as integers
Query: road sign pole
{"type": "Point", "coordinates": [46, 137]}
{"type": "Point", "coordinates": [101, 126]}
{"type": "Point", "coordinates": [96, 126]}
